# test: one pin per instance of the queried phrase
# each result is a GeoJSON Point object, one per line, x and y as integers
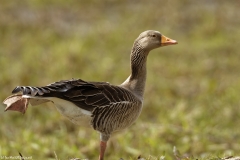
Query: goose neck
{"type": "Point", "coordinates": [136, 81]}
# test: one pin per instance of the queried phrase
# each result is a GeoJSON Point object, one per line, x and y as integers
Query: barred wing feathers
{"type": "Point", "coordinates": [86, 95]}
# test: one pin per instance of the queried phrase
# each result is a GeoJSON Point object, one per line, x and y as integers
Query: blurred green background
{"type": "Point", "coordinates": [192, 93]}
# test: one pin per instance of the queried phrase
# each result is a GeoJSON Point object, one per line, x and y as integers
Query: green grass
{"type": "Point", "coordinates": [192, 92]}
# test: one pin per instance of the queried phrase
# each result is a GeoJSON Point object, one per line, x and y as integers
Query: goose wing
{"type": "Point", "coordinates": [86, 95]}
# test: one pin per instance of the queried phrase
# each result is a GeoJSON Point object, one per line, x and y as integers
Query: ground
{"type": "Point", "coordinates": [192, 92]}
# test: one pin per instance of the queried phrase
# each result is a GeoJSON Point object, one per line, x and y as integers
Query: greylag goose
{"type": "Point", "coordinates": [106, 107]}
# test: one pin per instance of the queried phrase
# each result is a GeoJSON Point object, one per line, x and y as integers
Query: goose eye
{"type": "Point", "coordinates": [153, 35]}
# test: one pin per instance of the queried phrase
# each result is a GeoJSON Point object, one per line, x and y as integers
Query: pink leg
{"type": "Point", "coordinates": [103, 146]}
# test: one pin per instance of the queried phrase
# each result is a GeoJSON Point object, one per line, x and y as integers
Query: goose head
{"type": "Point", "coordinates": [150, 39]}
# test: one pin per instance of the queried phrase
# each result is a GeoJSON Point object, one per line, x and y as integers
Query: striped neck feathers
{"type": "Point", "coordinates": [136, 81]}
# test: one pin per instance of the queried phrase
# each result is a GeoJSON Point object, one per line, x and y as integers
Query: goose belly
{"type": "Point", "coordinates": [72, 112]}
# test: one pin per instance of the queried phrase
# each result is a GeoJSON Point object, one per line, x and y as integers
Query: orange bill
{"type": "Point", "coordinates": [167, 41]}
